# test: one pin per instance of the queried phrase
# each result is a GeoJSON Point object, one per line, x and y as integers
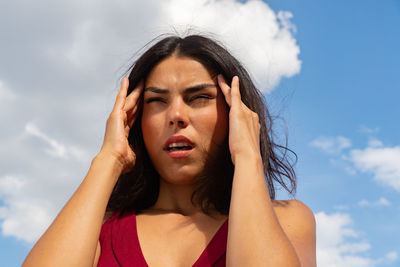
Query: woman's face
{"type": "Point", "coordinates": [185, 117]}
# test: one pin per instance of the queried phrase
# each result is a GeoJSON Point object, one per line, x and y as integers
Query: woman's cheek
{"type": "Point", "coordinates": [212, 126]}
{"type": "Point", "coordinates": [150, 131]}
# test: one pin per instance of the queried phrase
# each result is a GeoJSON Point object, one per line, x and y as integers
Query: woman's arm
{"type": "Point", "coordinates": [72, 238]}
{"type": "Point", "coordinates": [261, 234]}
{"type": "Point", "coordinates": [257, 236]}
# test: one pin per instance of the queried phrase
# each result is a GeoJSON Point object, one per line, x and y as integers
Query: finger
{"type": "Point", "coordinates": [132, 100]}
{"type": "Point", "coordinates": [235, 92]}
{"type": "Point", "coordinates": [226, 90]}
{"type": "Point", "coordinates": [120, 101]}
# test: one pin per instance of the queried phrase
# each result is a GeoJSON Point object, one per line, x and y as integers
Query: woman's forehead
{"type": "Point", "coordinates": [178, 70]}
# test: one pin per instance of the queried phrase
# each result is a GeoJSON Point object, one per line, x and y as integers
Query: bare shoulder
{"type": "Point", "coordinates": [298, 222]}
{"type": "Point", "coordinates": [293, 211]}
{"type": "Point", "coordinates": [294, 216]}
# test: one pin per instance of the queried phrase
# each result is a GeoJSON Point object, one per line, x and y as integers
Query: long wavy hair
{"type": "Point", "coordinates": [139, 189]}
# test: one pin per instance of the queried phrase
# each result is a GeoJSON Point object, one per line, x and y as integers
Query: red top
{"type": "Point", "coordinates": [120, 245]}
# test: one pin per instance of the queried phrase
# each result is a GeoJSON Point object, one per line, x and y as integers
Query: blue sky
{"type": "Point", "coordinates": [348, 86]}
{"type": "Point", "coordinates": [340, 109]}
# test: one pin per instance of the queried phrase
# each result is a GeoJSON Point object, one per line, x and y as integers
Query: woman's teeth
{"type": "Point", "coordinates": [178, 146]}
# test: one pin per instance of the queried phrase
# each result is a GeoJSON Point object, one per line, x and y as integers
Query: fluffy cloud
{"type": "Point", "coordinates": [58, 78]}
{"type": "Point", "coordinates": [35, 211]}
{"type": "Point", "coordinates": [379, 203]}
{"type": "Point", "coordinates": [331, 145]}
{"type": "Point", "coordinates": [36, 180]}
{"type": "Point", "coordinates": [55, 148]}
{"type": "Point", "coordinates": [339, 244]}
{"type": "Point", "coordinates": [382, 162]}
{"type": "Point", "coordinates": [38, 174]}
{"type": "Point", "coordinates": [268, 49]}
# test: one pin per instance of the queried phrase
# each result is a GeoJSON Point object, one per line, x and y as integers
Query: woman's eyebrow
{"type": "Point", "coordinates": [198, 87]}
{"type": "Point", "coordinates": [189, 90]}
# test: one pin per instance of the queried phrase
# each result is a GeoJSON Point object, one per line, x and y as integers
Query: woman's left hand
{"type": "Point", "coordinates": [244, 124]}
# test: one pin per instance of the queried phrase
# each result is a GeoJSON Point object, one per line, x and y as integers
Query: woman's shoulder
{"type": "Point", "coordinates": [296, 218]}
{"type": "Point", "coordinates": [290, 205]}
{"type": "Point", "coordinates": [293, 210]}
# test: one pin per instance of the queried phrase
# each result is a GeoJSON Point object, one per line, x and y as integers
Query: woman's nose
{"type": "Point", "coordinates": [177, 114]}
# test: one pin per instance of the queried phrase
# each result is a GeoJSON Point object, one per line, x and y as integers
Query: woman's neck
{"type": "Point", "coordinates": [175, 198]}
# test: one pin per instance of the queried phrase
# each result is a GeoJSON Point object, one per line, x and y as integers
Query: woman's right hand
{"type": "Point", "coordinates": [119, 123]}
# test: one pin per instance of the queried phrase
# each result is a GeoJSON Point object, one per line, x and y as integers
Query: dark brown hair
{"type": "Point", "coordinates": [138, 189]}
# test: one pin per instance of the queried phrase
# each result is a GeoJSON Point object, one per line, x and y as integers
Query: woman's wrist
{"type": "Point", "coordinates": [109, 161]}
{"type": "Point", "coordinates": [248, 158]}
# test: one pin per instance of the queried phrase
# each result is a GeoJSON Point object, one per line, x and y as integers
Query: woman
{"type": "Point", "coordinates": [186, 173]}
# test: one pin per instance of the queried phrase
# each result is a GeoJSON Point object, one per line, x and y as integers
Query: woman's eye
{"type": "Point", "coordinates": [155, 99]}
{"type": "Point", "coordinates": [200, 97]}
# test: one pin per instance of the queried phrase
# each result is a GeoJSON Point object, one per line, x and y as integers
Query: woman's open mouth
{"type": "Point", "coordinates": [179, 153]}
{"type": "Point", "coordinates": [178, 146]}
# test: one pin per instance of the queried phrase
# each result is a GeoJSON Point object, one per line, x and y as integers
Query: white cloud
{"type": "Point", "coordinates": [391, 256]}
{"type": "Point", "coordinates": [5, 93]}
{"type": "Point", "coordinates": [339, 244]}
{"type": "Point", "coordinates": [34, 186]}
{"type": "Point", "coordinates": [368, 130]}
{"type": "Point", "coordinates": [375, 143]}
{"type": "Point", "coordinates": [268, 50]}
{"type": "Point", "coordinates": [56, 149]}
{"type": "Point", "coordinates": [331, 145]}
{"type": "Point", "coordinates": [379, 203]}
{"type": "Point", "coordinates": [388, 258]}
{"type": "Point", "coordinates": [350, 170]}
{"type": "Point", "coordinates": [18, 205]}
{"type": "Point", "coordinates": [382, 162]}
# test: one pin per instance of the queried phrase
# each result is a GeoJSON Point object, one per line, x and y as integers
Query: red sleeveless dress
{"type": "Point", "coordinates": [120, 245]}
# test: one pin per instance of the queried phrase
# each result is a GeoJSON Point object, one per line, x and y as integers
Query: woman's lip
{"type": "Point", "coordinates": [176, 154]}
{"type": "Point", "coordinates": [178, 139]}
